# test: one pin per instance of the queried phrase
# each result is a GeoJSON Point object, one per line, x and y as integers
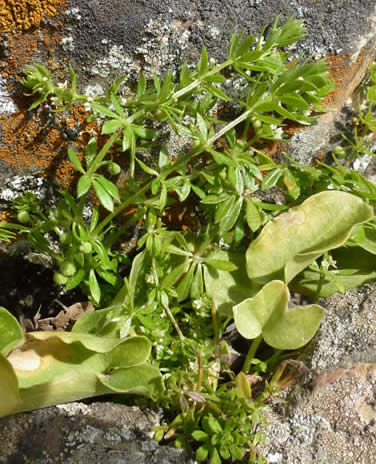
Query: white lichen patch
{"type": "Point", "coordinates": [7, 104]}
{"type": "Point", "coordinates": [116, 60]}
{"type": "Point", "coordinates": [18, 185]}
{"type": "Point", "coordinates": [67, 43]}
{"type": "Point", "coordinates": [73, 13]}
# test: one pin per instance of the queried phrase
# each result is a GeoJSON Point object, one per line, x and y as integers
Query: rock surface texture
{"type": "Point", "coordinates": [330, 411]}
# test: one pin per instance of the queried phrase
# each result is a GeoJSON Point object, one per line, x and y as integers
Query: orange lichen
{"type": "Point", "coordinates": [26, 14]}
{"type": "Point", "coordinates": [34, 142]}
{"type": "Point", "coordinates": [347, 74]}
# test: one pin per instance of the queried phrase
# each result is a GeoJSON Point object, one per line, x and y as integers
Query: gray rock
{"type": "Point", "coordinates": [77, 433]}
{"type": "Point", "coordinates": [330, 411]}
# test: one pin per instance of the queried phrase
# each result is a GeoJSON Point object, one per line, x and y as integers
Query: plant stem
{"type": "Point", "coordinates": [198, 81]}
{"type": "Point", "coordinates": [251, 353]}
{"type": "Point", "coordinates": [229, 126]}
{"type": "Point", "coordinates": [102, 153]}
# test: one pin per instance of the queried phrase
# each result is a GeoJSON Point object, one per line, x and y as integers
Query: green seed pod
{"type": "Point", "coordinates": [23, 217]}
{"type": "Point", "coordinates": [86, 248]}
{"type": "Point", "coordinates": [60, 279]}
{"type": "Point", "coordinates": [340, 152]}
{"type": "Point", "coordinates": [113, 169]}
{"type": "Point", "coordinates": [68, 268]}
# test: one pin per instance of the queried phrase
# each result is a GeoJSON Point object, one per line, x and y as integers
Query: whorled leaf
{"type": "Point", "coordinates": [268, 314]}
{"type": "Point", "coordinates": [294, 239]}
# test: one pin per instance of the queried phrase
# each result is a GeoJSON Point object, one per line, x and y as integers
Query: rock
{"type": "Point", "coordinates": [103, 40]}
{"type": "Point", "coordinates": [77, 433]}
{"type": "Point", "coordinates": [329, 414]}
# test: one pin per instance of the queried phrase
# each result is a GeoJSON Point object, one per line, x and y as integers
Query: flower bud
{"type": "Point", "coordinates": [68, 268]}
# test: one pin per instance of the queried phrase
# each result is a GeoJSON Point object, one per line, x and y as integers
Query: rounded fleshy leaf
{"type": "Point", "coordinates": [268, 314]}
{"type": "Point", "coordinates": [296, 238]}
{"type": "Point", "coordinates": [133, 351]}
{"type": "Point", "coordinates": [10, 330]}
{"type": "Point", "coordinates": [227, 288]}
{"type": "Point", "coordinates": [144, 379]}
{"type": "Point", "coordinates": [9, 393]}
{"type": "Point", "coordinates": [252, 314]}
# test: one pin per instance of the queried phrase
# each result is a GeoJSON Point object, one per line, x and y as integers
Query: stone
{"type": "Point", "coordinates": [329, 414]}
{"type": "Point", "coordinates": [82, 433]}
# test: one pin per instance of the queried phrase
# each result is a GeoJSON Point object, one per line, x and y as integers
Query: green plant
{"type": "Point", "coordinates": [181, 289]}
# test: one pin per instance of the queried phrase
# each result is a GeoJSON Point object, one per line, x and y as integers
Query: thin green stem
{"type": "Point", "coordinates": [229, 126]}
{"type": "Point", "coordinates": [102, 153]}
{"type": "Point", "coordinates": [198, 81]}
{"type": "Point", "coordinates": [251, 353]}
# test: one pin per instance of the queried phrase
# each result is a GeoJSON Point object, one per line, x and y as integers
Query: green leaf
{"type": "Point", "coordinates": [197, 288]}
{"type": "Point", "coordinates": [175, 274]}
{"type": "Point", "coordinates": [83, 185]}
{"type": "Point", "coordinates": [76, 279]}
{"type": "Point", "coordinates": [117, 105]}
{"type": "Point", "coordinates": [227, 288]}
{"type": "Point", "coordinates": [94, 288]}
{"type": "Point", "coordinates": [109, 186]}
{"type": "Point", "coordinates": [355, 267]}
{"type": "Point", "coordinates": [252, 215]}
{"type": "Point", "coordinates": [220, 264]}
{"type": "Point", "coordinates": [144, 379]}
{"type": "Point", "coordinates": [212, 89]}
{"type": "Point", "coordinates": [52, 368]}
{"type": "Point", "coordinates": [271, 178]}
{"type": "Point", "coordinates": [202, 126]}
{"type": "Point", "coordinates": [185, 285]}
{"type": "Point", "coordinates": [202, 65]}
{"type": "Point", "coordinates": [231, 216]}
{"type": "Point", "coordinates": [200, 435]}
{"type": "Point", "coordinates": [103, 196]}
{"type": "Point", "coordinates": [202, 453]}
{"type": "Point", "coordinates": [10, 330]}
{"type": "Point", "coordinates": [141, 86]}
{"type": "Point", "coordinates": [132, 351]}
{"type": "Point", "coordinates": [111, 126]}
{"type": "Point", "coordinates": [243, 388]}
{"type": "Point", "coordinates": [267, 314]}
{"type": "Point", "coordinates": [296, 238]}
{"type": "Point", "coordinates": [75, 161]}
{"type": "Point", "coordinates": [91, 151]}
{"type": "Point", "coordinates": [9, 393]}
{"type": "Point", "coordinates": [104, 110]}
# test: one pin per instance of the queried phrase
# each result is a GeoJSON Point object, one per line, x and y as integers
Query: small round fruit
{"type": "Point", "coordinates": [23, 217]}
{"type": "Point", "coordinates": [113, 169]}
{"type": "Point", "coordinates": [68, 268]}
{"type": "Point", "coordinates": [60, 279]}
{"type": "Point", "coordinates": [86, 248]}
{"type": "Point", "coordinates": [340, 152]}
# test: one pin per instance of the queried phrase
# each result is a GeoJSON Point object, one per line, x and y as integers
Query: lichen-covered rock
{"type": "Point", "coordinates": [330, 413]}
{"type": "Point", "coordinates": [77, 433]}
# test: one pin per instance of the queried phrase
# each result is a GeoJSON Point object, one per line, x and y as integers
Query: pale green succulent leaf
{"type": "Point", "coordinates": [252, 314]}
{"type": "Point", "coordinates": [322, 222]}
{"type": "Point", "coordinates": [9, 394]}
{"type": "Point", "coordinates": [144, 380]}
{"type": "Point", "coordinates": [227, 288]}
{"type": "Point", "coordinates": [268, 314]}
